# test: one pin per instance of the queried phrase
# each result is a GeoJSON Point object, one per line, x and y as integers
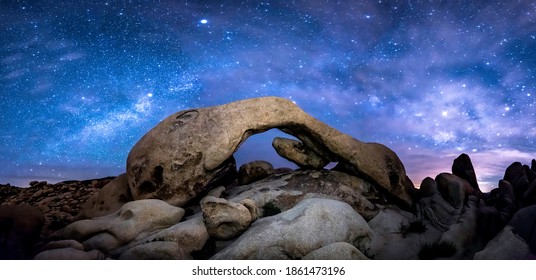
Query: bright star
{"type": "Point", "coordinates": [203, 21]}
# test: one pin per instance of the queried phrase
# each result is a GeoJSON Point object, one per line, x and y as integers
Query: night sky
{"type": "Point", "coordinates": [82, 81]}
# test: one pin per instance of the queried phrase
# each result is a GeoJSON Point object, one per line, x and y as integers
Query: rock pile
{"type": "Point", "coordinates": [58, 204]}
{"type": "Point", "coordinates": [182, 197]}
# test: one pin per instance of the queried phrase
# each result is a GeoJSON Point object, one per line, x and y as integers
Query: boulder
{"type": "Point", "coordinates": [135, 219]}
{"type": "Point", "coordinates": [395, 239]}
{"type": "Point", "coordinates": [254, 171]}
{"type": "Point", "coordinates": [188, 151]}
{"type": "Point", "coordinates": [428, 187]}
{"type": "Point", "coordinates": [284, 191]}
{"type": "Point", "coordinates": [156, 250]}
{"type": "Point", "coordinates": [505, 246]}
{"type": "Point", "coordinates": [463, 168]}
{"type": "Point", "coordinates": [523, 224]}
{"type": "Point", "coordinates": [533, 168]}
{"type": "Point", "coordinates": [438, 211]}
{"type": "Point", "coordinates": [462, 234]}
{"type": "Point", "coordinates": [515, 174]}
{"type": "Point", "coordinates": [68, 243]}
{"type": "Point", "coordinates": [529, 197]}
{"type": "Point", "coordinates": [20, 227]}
{"type": "Point", "coordinates": [179, 241]}
{"type": "Point", "coordinates": [225, 219]}
{"type": "Point", "coordinates": [336, 251]}
{"type": "Point", "coordinates": [454, 189]}
{"type": "Point", "coordinates": [107, 200]}
{"type": "Point", "coordinates": [297, 153]}
{"type": "Point", "coordinates": [310, 225]}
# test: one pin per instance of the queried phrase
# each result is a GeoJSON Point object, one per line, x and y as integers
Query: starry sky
{"type": "Point", "coordinates": [82, 81]}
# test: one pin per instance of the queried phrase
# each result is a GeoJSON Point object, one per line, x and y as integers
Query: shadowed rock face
{"type": "Point", "coordinates": [178, 158]}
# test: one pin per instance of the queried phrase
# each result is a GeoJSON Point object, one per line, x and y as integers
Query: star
{"type": "Point", "coordinates": [83, 82]}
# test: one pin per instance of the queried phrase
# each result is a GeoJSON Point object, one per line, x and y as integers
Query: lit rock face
{"type": "Point", "coordinates": [191, 151]}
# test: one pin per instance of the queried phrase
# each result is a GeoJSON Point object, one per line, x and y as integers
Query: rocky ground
{"type": "Point", "coordinates": [182, 197]}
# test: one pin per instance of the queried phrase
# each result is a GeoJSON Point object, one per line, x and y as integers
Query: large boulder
{"type": "Point", "coordinates": [517, 176]}
{"type": "Point", "coordinates": [505, 246]}
{"type": "Point", "coordinates": [107, 200]}
{"type": "Point", "coordinates": [523, 224]}
{"type": "Point", "coordinates": [135, 219]}
{"type": "Point", "coordinates": [399, 235]}
{"type": "Point", "coordinates": [296, 152]}
{"type": "Point", "coordinates": [254, 171]}
{"type": "Point", "coordinates": [463, 168]}
{"type": "Point", "coordinates": [225, 219]}
{"type": "Point", "coordinates": [20, 227]}
{"type": "Point", "coordinates": [310, 225]}
{"type": "Point", "coordinates": [284, 191]}
{"type": "Point", "coordinates": [178, 242]}
{"type": "Point", "coordinates": [462, 234]}
{"type": "Point", "coordinates": [454, 189]}
{"type": "Point", "coordinates": [188, 151]}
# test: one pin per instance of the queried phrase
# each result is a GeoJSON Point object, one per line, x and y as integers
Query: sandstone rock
{"type": "Point", "coordinates": [336, 251]}
{"type": "Point", "coordinates": [133, 220]}
{"type": "Point", "coordinates": [310, 225]}
{"type": "Point", "coordinates": [463, 168]}
{"type": "Point", "coordinates": [505, 246]}
{"type": "Point", "coordinates": [108, 200]}
{"type": "Point", "coordinates": [181, 157]}
{"type": "Point", "coordinates": [225, 219]}
{"type": "Point", "coordinates": [296, 152]}
{"type": "Point", "coordinates": [254, 171]}
{"type": "Point", "coordinates": [69, 254]}
{"type": "Point", "coordinates": [20, 226]}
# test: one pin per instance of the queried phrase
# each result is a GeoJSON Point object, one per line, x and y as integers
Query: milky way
{"type": "Point", "coordinates": [82, 81]}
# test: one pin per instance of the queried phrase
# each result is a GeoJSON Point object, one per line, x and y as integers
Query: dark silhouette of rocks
{"type": "Point", "coordinates": [182, 197]}
{"type": "Point", "coordinates": [20, 227]}
{"type": "Point", "coordinates": [463, 168]}
{"type": "Point", "coordinates": [517, 176]}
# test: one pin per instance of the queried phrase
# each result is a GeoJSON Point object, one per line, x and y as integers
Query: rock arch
{"type": "Point", "coordinates": [183, 154]}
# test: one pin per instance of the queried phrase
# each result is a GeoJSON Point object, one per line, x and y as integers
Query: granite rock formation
{"type": "Point", "coordinates": [187, 152]}
{"type": "Point", "coordinates": [182, 197]}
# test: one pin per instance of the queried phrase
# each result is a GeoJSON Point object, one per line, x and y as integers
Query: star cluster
{"type": "Point", "coordinates": [82, 81]}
